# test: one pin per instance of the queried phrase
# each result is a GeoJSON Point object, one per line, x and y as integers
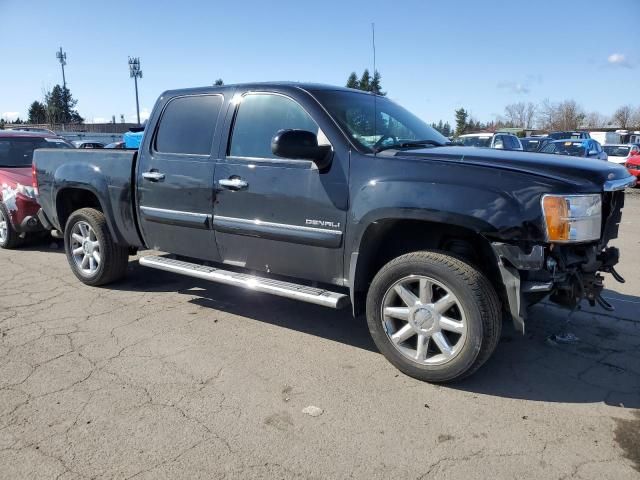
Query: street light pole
{"type": "Point", "coordinates": [62, 58]}
{"type": "Point", "coordinates": [135, 72]}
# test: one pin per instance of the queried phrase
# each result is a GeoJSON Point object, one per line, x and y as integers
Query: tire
{"type": "Point", "coordinates": [458, 333]}
{"type": "Point", "coordinates": [9, 238]}
{"type": "Point", "coordinates": [112, 259]}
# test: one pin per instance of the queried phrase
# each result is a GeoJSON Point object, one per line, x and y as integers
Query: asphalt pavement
{"type": "Point", "coordinates": [162, 376]}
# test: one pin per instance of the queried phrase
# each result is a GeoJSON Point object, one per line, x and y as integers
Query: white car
{"type": "Point", "coordinates": [619, 153]}
{"type": "Point", "coordinates": [499, 140]}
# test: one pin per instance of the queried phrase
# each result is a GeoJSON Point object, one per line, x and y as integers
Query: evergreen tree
{"type": "Point", "coordinates": [352, 81]}
{"type": "Point", "coordinates": [365, 81]}
{"type": "Point", "coordinates": [461, 121]}
{"type": "Point", "coordinates": [375, 86]}
{"type": "Point", "coordinates": [2, 123]}
{"type": "Point", "coordinates": [37, 112]}
{"type": "Point", "coordinates": [60, 106]}
{"type": "Point", "coordinates": [218, 83]}
{"type": "Point", "coordinates": [446, 130]}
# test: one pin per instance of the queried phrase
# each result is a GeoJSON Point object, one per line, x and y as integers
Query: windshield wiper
{"type": "Point", "coordinates": [412, 144]}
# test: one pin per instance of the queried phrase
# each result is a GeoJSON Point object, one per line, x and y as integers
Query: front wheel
{"type": "Point", "coordinates": [433, 316]}
{"type": "Point", "coordinates": [93, 255]}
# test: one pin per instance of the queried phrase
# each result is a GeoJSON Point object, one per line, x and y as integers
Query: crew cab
{"type": "Point", "coordinates": [339, 197]}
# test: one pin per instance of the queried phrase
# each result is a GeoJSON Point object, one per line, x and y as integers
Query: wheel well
{"type": "Point", "coordinates": [387, 239]}
{"type": "Point", "coordinates": [71, 199]}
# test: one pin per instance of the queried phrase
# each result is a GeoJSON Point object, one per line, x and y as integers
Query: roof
{"type": "Point", "coordinates": [482, 134]}
{"type": "Point", "coordinates": [22, 133]}
{"type": "Point", "coordinates": [258, 85]}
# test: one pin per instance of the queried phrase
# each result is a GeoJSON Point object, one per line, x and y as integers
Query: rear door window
{"type": "Point", "coordinates": [188, 124]}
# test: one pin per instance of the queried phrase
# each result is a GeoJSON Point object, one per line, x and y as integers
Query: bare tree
{"type": "Point", "coordinates": [623, 116]}
{"type": "Point", "coordinates": [595, 120]}
{"type": "Point", "coordinates": [566, 115]}
{"type": "Point", "coordinates": [520, 114]}
{"type": "Point", "coordinates": [636, 118]}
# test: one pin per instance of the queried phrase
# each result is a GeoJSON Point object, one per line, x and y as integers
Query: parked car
{"type": "Point", "coordinates": [502, 141]}
{"type": "Point", "coordinates": [534, 144]}
{"type": "Point", "coordinates": [308, 195]}
{"type": "Point", "coordinates": [633, 165]}
{"type": "Point", "coordinates": [87, 144]}
{"type": "Point", "coordinates": [116, 145]}
{"type": "Point", "coordinates": [18, 205]}
{"type": "Point", "coordinates": [569, 135]}
{"type": "Point", "coordinates": [576, 148]}
{"type": "Point", "coordinates": [620, 153]}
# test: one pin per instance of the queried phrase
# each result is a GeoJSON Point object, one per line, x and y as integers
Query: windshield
{"type": "Point", "coordinates": [475, 141]}
{"type": "Point", "coordinates": [614, 151]}
{"type": "Point", "coordinates": [371, 127]}
{"type": "Point", "coordinates": [575, 149]}
{"type": "Point", "coordinates": [530, 145]}
{"type": "Point", "coordinates": [18, 151]}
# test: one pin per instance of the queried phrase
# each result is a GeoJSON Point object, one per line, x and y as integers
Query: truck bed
{"type": "Point", "coordinates": [105, 174]}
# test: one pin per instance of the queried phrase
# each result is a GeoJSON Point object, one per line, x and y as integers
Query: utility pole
{"type": "Point", "coordinates": [135, 72]}
{"type": "Point", "coordinates": [62, 58]}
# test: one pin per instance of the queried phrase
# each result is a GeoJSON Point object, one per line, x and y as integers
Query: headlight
{"type": "Point", "coordinates": [25, 190]}
{"type": "Point", "coordinates": [572, 218]}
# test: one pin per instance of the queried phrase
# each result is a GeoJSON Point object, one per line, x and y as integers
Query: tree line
{"type": "Point", "coordinates": [546, 115]}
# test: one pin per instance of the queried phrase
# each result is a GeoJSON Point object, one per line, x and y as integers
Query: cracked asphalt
{"type": "Point", "coordinates": [162, 376]}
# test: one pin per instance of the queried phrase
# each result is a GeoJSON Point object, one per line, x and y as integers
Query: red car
{"type": "Point", "coordinates": [18, 205]}
{"type": "Point", "coordinates": [633, 165]}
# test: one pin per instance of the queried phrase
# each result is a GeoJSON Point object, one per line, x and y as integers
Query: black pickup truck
{"type": "Point", "coordinates": [339, 197]}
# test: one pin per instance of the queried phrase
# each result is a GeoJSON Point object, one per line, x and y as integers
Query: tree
{"type": "Point", "coordinates": [60, 106]}
{"type": "Point", "coordinates": [461, 121]}
{"type": "Point", "coordinates": [566, 115]}
{"type": "Point", "coordinates": [352, 81]}
{"type": "Point", "coordinates": [37, 112]}
{"type": "Point", "coordinates": [446, 130]}
{"type": "Point", "coordinates": [2, 123]}
{"type": "Point", "coordinates": [365, 81]}
{"type": "Point", "coordinates": [636, 118]}
{"type": "Point", "coordinates": [623, 117]}
{"type": "Point", "coordinates": [218, 83]}
{"type": "Point", "coordinates": [520, 114]}
{"type": "Point", "coordinates": [595, 120]}
{"type": "Point", "coordinates": [375, 86]}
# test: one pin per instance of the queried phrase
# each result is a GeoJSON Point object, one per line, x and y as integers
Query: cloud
{"type": "Point", "coordinates": [10, 116]}
{"type": "Point", "coordinates": [145, 113]}
{"type": "Point", "coordinates": [619, 60]}
{"type": "Point", "coordinates": [515, 87]}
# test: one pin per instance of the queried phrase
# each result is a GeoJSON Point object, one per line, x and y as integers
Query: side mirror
{"type": "Point", "coordinates": [303, 145]}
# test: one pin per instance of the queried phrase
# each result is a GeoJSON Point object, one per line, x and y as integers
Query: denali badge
{"type": "Point", "coordinates": [322, 223]}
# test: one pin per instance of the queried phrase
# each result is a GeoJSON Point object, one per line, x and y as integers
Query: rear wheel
{"type": "Point", "coordinates": [435, 317]}
{"type": "Point", "coordinates": [9, 238]}
{"type": "Point", "coordinates": [93, 255]}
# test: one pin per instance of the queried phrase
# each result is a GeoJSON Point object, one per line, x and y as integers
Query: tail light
{"type": "Point", "coordinates": [34, 178]}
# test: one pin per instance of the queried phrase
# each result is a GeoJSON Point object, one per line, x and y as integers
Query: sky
{"type": "Point", "coordinates": [434, 56]}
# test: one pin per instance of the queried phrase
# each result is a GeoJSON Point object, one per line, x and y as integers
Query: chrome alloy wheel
{"type": "Point", "coordinates": [85, 248]}
{"type": "Point", "coordinates": [4, 228]}
{"type": "Point", "coordinates": [424, 320]}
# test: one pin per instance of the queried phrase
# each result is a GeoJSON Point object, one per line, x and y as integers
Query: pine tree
{"type": "Point", "coordinates": [375, 86]}
{"type": "Point", "coordinates": [461, 121]}
{"type": "Point", "coordinates": [60, 106]}
{"type": "Point", "coordinates": [352, 81]}
{"type": "Point", "coordinates": [218, 83]}
{"type": "Point", "coordinates": [446, 129]}
{"type": "Point", "coordinates": [365, 81]}
{"type": "Point", "coordinates": [37, 112]}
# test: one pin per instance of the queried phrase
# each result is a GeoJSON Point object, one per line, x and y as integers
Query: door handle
{"type": "Point", "coordinates": [234, 183]}
{"type": "Point", "coordinates": [153, 176]}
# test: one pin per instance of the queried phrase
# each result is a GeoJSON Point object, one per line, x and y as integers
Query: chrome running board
{"type": "Point", "coordinates": [303, 293]}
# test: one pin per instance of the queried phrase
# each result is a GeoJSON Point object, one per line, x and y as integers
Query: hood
{"type": "Point", "coordinates": [585, 172]}
{"type": "Point", "coordinates": [12, 176]}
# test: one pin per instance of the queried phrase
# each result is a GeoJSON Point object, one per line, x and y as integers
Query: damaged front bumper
{"type": "Point", "coordinates": [567, 274]}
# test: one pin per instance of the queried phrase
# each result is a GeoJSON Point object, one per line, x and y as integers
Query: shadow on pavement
{"type": "Point", "coordinates": [603, 366]}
